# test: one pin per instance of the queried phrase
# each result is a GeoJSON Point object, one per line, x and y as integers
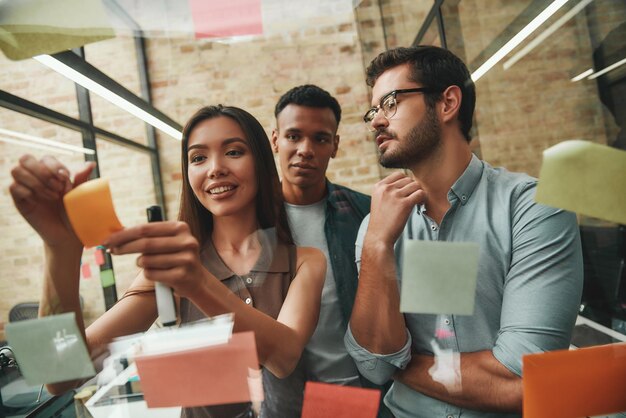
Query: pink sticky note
{"type": "Point", "coordinates": [323, 400]}
{"type": "Point", "coordinates": [99, 256]}
{"type": "Point", "coordinates": [219, 19]}
{"type": "Point", "coordinates": [212, 375]}
{"type": "Point", "coordinates": [444, 333]}
{"type": "Point", "coordinates": [85, 270]}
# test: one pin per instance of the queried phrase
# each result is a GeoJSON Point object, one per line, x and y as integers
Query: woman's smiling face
{"type": "Point", "coordinates": [221, 168]}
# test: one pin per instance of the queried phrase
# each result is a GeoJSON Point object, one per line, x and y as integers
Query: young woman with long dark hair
{"type": "Point", "coordinates": [230, 251]}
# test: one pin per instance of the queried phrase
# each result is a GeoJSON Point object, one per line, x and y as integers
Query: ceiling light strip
{"type": "Point", "coordinates": [582, 75]}
{"type": "Point", "coordinates": [107, 94]}
{"type": "Point", "coordinates": [47, 142]}
{"type": "Point", "coordinates": [545, 34]}
{"type": "Point", "coordinates": [518, 38]}
{"type": "Point", "coordinates": [33, 145]}
{"type": "Point", "coordinates": [607, 69]}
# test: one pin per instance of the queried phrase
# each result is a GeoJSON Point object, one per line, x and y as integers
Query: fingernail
{"type": "Point", "coordinates": [63, 173]}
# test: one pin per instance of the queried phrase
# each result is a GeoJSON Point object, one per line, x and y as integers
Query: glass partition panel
{"type": "Point", "coordinates": [21, 264]}
{"type": "Point", "coordinates": [565, 79]}
{"type": "Point", "coordinates": [37, 83]}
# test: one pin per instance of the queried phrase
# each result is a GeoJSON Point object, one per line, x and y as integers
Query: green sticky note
{"type": "Point", "coordinates": [585, 178]}
{"type": "Point", "coordinates": [35, 27]}
{"type": "Point", "coordinates": [107, 278]}
{"type": "Point", "coordinates": [49, 349]}
{"type": "Point", "coordinates": [439, 277]}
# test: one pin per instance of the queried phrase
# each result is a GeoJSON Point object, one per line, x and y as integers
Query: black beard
{"type": "Point", "coordinates": [420, 143]}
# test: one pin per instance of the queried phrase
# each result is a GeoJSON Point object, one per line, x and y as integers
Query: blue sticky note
{"type": "Point", "coordinates": [49, 349]}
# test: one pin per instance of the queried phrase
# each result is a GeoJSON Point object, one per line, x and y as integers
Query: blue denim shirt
{"type": "Point", "coordinates": [528, 289]}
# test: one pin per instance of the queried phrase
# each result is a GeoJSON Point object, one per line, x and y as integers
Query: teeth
{"type": "Point", "coordinates": [221, 189]}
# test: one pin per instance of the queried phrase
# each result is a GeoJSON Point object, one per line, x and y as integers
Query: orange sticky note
{"type": "Point", "coordinates": [212, 375]}
{"type": "Point", "coordinates": [323, 400]}
{"type": "Point", "coordinates": [575, 383]}
{"type": "Point", "coordinates": [90, 210]}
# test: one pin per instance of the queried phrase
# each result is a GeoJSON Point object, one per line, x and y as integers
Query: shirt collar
{"type": "Point", "coordinates": [274, 257]}
{"type": "Point", "coordinates": [464, 186]}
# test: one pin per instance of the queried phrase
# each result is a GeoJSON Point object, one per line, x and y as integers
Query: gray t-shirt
{"type": "Point", "coordinates": [325, 356]}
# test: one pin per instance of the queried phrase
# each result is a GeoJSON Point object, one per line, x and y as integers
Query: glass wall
{"type": "Point", "coordinates": [543, 92]}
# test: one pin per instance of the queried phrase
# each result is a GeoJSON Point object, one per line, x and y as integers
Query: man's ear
{"type": "Point", "coordinates": [335, 146]}
{"type": "Point", "coordinates": [451, 103]}
{"type": "Point", "coordinates": [274, 140]}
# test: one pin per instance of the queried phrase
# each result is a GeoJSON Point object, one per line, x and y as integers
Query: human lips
{"type": "Point", "coordinates": [304, 166]}
{"type": "Point", "coordinates": [218, 189]}
{"type": "Point", "coordinates": [382, 138]}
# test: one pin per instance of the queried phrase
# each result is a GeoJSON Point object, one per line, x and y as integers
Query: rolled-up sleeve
{"type": "Point", "coordinates": [543, 287]}
{"type": "Point", "coordinates": [377, 368]}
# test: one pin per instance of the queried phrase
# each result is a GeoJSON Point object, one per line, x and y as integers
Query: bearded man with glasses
{"type": "Point", "coordinates": [530, 267]}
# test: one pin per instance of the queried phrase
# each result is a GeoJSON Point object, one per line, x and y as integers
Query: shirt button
{"type": "Point", "coordinates": [464, 198]}
{"type": "Point", "coordinates": [447, 322]}
{"type": "Point", "coordinates": [433, 227]}
{"type": "Point", "coordinates": [249, 280]}
{"type": "Point", "coordinates": [450, 416]}
{"type": "Point", "coordinates": [248, 301]}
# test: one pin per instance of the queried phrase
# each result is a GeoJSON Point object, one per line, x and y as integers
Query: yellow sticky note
{"type": "Point", "coordinates": [585, 178]}
{"type": "Point", "coordinates": [90, 210]}
{"type": "Point", "coordinates": [35, 27]}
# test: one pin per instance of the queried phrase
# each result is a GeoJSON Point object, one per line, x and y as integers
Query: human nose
{"type": "Point", "coordinates": [305, 149]}
{"type": "Point", "coordinates": [217, 168]}
{"type": "Point", "coordinates": [379, 120]}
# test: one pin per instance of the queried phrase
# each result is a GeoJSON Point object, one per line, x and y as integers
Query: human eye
{"type": "Point", "coordinates": [323, 139]}
{"type": "Point", "coordinates": [291, 136]}
{"type": "Point", "coordinates": [235, 152]}
{"type": "Point", "coordinates": [389, 104]}
{"type": "Point", "coordinates": [196, 158]}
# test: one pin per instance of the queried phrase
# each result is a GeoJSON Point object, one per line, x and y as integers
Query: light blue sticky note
{"type": "Point", "coordinates": [439, 277]}
{"type": "Point", "coordinates": [49, 349]}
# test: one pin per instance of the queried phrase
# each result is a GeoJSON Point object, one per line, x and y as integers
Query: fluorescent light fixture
{"type": "Point", "coordinates": [33, 145]}
{"type": "Point", "coordinates": [107, 94]}
{"type": "Point", "coordinates": [518, 38]}
{"type": "Point", "coordinates": [607, 69]}
{"type": "Point", "coordinates": [582, 75]}
{"type": "Point", "coordinates": [47, 142]}
{"type": "Point", "coordinates": [545, 34]}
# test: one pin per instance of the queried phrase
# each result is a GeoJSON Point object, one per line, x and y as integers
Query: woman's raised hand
{"type": "Point", "coordinates": [169, 254]}
{"type": "Point", "coordinates": [37, 190]}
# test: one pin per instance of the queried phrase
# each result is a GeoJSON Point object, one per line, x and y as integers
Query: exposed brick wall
{"type": "Point", "coordinates": [520, 112]}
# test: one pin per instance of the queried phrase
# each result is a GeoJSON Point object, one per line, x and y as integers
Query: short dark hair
{"type": "Point", "coordinates": [311, 96]}
{"type": "Point", "coordinates": [270, 206]}
{"type": "Point", "coordinates": [433, 67]}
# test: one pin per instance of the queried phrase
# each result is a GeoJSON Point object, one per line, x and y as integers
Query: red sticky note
{"type": "Point", "coordinates": [219, 19]}
{"type": "Point", "coordinates": [575, 383]}
{"type": "Point", "coordinates": [85, 270]}
{"type": "Point", "coordinates": [323, 400]}
{"type": "Point", "coordinates": [99, 256]}
{"type": "Point", "coordinates": [212, 375]}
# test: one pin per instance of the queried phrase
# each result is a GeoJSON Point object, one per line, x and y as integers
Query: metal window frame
{"type": "Point", "coordinates": [84, 124]}
{"type": "Point", "coordinates": [434, 13]}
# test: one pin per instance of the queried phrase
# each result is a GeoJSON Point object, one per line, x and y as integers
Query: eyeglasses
{"type": "Point", "coordinates": [389, 104]}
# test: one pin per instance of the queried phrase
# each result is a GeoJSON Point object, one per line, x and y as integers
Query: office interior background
{"type": "Point", "coordinates": [561, 82]}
